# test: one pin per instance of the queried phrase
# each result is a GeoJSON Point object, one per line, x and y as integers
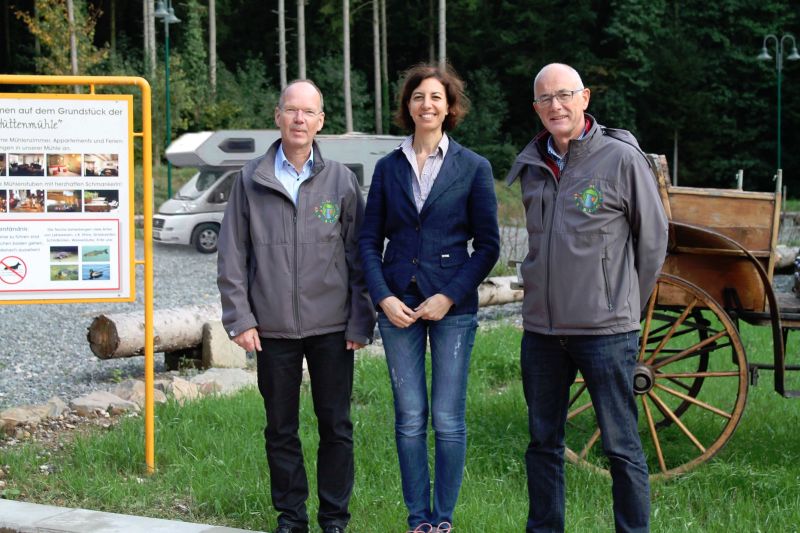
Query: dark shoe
{"type": "Point", "coordinates": [292, 529]}
{"type": "Point", "coordinates": [332, 529]}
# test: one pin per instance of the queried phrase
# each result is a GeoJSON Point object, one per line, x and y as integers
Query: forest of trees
{"type": "Point", "coordinates": [683, 75]}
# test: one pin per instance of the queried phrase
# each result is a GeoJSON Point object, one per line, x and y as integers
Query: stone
{"type": "Point", "coordinates": [183, 390]}
{"type": "Point", "coordinates": [225, 380]}
{"type": "Point", "coordinates": [133, 391]}
{"type": "Point", "coordinates": [218, 350]}
{"type": "Point", "coordinates": [56, 407]}
{"type": "Point", "coordinates": [19, 416]}
{"type": "Point", "coordinates": [98, 402]}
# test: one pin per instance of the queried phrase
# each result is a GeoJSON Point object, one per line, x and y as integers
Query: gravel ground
{"type": "Point", "coordinates": [43, 348]}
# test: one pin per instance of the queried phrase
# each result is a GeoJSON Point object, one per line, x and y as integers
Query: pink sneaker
{"type": "Point", "coordinates": [444, 527]}
{"type": "Point", "coordinates": [423, 528]}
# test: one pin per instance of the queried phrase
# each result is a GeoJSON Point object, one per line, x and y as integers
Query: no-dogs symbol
{"type": "Point", "coordinates": [12, 270]}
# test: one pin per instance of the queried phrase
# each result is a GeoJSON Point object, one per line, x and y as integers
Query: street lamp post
{"type": "Point", "coordinates": [168, 14]}
{"type": "Point", "coordinates": [793, 56]}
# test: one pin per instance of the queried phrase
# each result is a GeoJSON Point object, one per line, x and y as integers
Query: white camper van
{"type": "Point", "coordinates": [193, 215]}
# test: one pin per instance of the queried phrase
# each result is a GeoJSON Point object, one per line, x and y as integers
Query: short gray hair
{"type": "Point", "coordinates": [547, 67]}
{"type": "Point", "coordinates": [301, 80]}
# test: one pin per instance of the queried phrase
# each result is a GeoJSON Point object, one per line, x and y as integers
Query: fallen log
{"type": "Point", "coordinates": [122, 335]}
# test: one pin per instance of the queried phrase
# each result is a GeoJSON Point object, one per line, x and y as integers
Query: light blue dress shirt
{"type": "Point", "coordinates": [288, 175]}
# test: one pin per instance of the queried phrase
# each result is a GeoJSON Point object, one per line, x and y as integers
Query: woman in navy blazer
{"type": "Point", "coordinates": [429, 198]}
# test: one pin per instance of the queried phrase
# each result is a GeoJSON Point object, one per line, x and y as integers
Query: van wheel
{"type": "Point", "coordinates": [205, 238]}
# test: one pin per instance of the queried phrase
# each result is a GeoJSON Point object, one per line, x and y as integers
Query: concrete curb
{"type": "Point", "coordinates": [23, 517]}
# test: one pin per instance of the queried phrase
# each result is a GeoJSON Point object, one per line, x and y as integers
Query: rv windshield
{"type": "Point", "coordinates": [200, 182]}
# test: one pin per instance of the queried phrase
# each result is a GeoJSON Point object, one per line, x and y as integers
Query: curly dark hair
{"type": "Point", "coordinates": [457, 101]}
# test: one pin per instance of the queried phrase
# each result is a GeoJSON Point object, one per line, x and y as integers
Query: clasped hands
{"type": "Point", "coordinates": [402, 316]}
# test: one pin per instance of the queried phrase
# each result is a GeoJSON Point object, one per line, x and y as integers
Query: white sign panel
{"type": "Point", "coordinates": [66, 197]}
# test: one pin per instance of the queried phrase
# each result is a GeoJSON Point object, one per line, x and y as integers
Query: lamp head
{"type": "Point", "coordinates": [171, 18]}
{"type": "Point", "coordinates": [764, 55]}
{"type": "Point", "coordinates": [794, 56]}
{"type": "Point", "coordinates": [160, 11]}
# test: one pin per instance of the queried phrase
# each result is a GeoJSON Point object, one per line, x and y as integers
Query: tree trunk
{"type": "Point", "coordinates": [112, 15]}
{"type": "Point", "coordinates": [149, 40]}
{"type": "Point", "coordinates": [122, 335]}
{"type": "Point", "coordinates": [431, 39]}
{"type": "Point", "coordinates": [442, 32]}
{"type": "Point", "coordinates": [282, 41]}
{"type": "Point", "coordinates": [7, 38]}
{"type": "Point", "coordinates": [301, 39]}
{"type": "Point", "coordinates": [212, 47]}
{"type": "Point", "coordinates": [384, 62]}
{"type": "Point", "coordinates": [37, 47]}
{"type": "Point", "coordinates": [498, 290]}
{"type": "Point", "coordinates": [376, 55]}
{"type": "Point", "coordinates": [675, 158]}
{"type": "Point", "coordinates": [73, 43]}
{"type": "Point", "coordinates": [348, 103]}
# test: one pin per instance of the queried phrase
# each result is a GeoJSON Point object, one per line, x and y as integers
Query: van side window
{"type": "Point", "coordinates": [223, 190]}
{"type": "Point", "coordinates": [358, 170]}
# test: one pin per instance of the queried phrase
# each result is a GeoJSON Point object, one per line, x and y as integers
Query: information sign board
{"type": "Point", "coordinates": [66, 197]}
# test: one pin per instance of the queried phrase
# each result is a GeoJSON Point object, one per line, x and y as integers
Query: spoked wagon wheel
{"type": "Point", "coordinates": [691, 381]}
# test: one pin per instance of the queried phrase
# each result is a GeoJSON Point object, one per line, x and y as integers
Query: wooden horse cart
{"type": "Point", "coordinates": [693, 374]}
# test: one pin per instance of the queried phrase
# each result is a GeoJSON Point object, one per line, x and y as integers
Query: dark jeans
{"type": "Point", "coordinates": [330, 367]}
{"type": "Point", "coordinates": [549, 365]}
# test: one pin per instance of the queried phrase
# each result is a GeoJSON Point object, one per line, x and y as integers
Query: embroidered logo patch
{"type": "Point", "coordinates": [589, 200]}
{"type": "Point", "coordinates": [327, 212]}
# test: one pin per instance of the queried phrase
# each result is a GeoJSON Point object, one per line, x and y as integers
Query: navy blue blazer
{"type": "Point", "coordinates": [432, 244]}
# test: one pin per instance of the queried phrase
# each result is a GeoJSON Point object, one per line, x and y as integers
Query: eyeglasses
{"type": "Point", "coordinates": [293, 112]}
{"type": "Point", "coordinates": [563, 97]}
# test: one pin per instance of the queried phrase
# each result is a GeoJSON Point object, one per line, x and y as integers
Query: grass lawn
{"type": "Point", "coordinates": [211, 464]}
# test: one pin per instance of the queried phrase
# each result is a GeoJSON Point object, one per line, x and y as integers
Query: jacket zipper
{"type": "Point", "coordinates": [295, 275]}
{"type": "Point", "coordinates": [557, 182]}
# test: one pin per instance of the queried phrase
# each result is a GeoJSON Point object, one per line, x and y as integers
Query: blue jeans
{"type": "Point", "coordinates": [451, 340]}
{"type": "Point", "coordinates": [549, 365]}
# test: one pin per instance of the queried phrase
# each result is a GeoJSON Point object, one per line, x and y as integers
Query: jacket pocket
{"type": "Point", "coordinates": [606, 283]}
{"type": "Point", "coordinates": [533, 200]}
{"type": "Point", "coordinates": [453, 258]}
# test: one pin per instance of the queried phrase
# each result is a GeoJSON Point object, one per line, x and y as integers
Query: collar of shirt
{"type": "Point", "coordinates": [407, 147]}
{"type": "Point", "coordinates": [288, 175]}
{"type": "Point", "coordinates": [559, 160]}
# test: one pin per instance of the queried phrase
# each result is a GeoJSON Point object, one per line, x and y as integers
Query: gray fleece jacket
{"type": "Point", "coordinates": [292, 271]}
{"type": "Point", "coordinates": [597, 236]}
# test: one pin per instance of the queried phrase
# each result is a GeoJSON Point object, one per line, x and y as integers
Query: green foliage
{"type": "Point", "coordinates": [327, 74]}
{"type": "Point", "coordinates": [50, 25]}
{"type": "Point", "coordinates": [664, 69]}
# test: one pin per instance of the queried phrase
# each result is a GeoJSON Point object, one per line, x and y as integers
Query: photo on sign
{"type": "Point", "coordinates": [3, 201]}
{"type": "Point", "coordinates": [63, 201]}
{"type": "Point", "coordinates": [2, 164]}
{"type": "Point", "coordinates": [96, 272]}
{"type": "Point", "coordinates": [64, 254]}
{"type": "Point", "coordinates": [26, 164]}
{"type": "Point", "coordinates": [101, 165]}
{"type": "Point", "coordinates": [63, 272]}
{"type": "Point", "coordinates": [64, 165]}
{"type": "Point", "coordinates": [26, 200]}
{"type": "Point", "coordinates": [100, 200]}
{"type": "Point", "coordinates": [95, 253]}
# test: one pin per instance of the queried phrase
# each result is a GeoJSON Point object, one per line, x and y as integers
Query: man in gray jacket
{"type": "Point", "coordinates": [597, 237]}
{"type": "Point", "coordinates": [292, 287]}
